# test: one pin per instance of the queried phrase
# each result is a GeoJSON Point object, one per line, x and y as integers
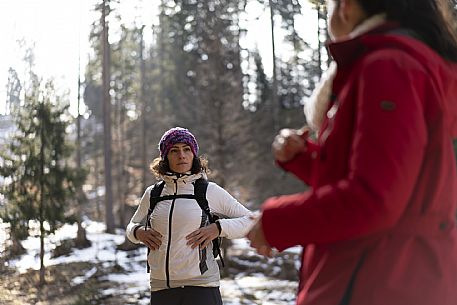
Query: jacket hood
{"type": "Point", "coordinates": [448, 76]}
{"type": "Point", "coordinates": [442, 73]}
{"type": "Point", "coordinates": [451, 98]}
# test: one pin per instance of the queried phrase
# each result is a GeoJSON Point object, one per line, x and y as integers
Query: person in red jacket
{"type": "Point", "coordinates": [377, 224]}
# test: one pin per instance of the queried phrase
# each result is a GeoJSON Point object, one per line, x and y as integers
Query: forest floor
{"type": "Point", "coordinates": [103, 275]}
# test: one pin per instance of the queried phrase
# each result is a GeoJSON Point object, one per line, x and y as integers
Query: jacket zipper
{"type": "Point", "coordinates": [170, 216]}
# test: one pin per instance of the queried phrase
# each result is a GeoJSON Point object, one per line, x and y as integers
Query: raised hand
{"type": "Point", "coordinates": [288, 143]}
{"type": "Point", "coordinates": [258, 241]}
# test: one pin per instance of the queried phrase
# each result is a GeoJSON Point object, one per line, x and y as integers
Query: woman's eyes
{"type": "Point", "coordinates": [175, 150]}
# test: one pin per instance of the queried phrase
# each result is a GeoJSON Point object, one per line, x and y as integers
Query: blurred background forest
{"type": "Point", "coordinates": [194, 68]}
{"type": "Point", "coordinates": [195, 73]}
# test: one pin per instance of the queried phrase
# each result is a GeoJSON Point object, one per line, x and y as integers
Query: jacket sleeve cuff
{"type": "Point", "coordinates": [218, 225]}
{"type": "Point", "coordinates": [302, 164]}
{"type": "Point", "coordinates": [134, 231]}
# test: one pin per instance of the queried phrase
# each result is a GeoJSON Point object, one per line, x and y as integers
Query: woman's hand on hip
{"type": "Point", "coordinates": [150, 237]}
{"type": "Point", "coordinates": [203, 236]}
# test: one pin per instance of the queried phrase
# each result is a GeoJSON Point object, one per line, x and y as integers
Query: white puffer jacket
{"type": "Point", "coordinates": [175, 263]}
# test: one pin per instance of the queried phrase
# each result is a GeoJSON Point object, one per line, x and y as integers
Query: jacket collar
{"type": "Point", "coordinates": [182, 178]}
{"type": "Point", "coordinates": [345, 52]}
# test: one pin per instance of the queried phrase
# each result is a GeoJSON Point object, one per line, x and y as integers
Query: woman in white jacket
{"type": "Point", "coordinates": [183, 269]}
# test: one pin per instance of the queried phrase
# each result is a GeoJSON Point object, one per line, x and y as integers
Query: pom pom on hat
{"type": "Point", "coordinates": [177, 135]}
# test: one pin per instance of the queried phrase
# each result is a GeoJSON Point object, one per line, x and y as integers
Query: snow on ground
{"type": "Point", "coordinates": [102, 249]}
{"type": "Point", "coordinates": [243, 289]}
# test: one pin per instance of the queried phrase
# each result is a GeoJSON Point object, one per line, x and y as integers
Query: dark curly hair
{"type": "Point", "coordinates": [160, 167]}
{"type": "Point", "coordinates": [432, 20]}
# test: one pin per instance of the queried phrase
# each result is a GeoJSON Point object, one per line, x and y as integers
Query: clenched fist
{"type": "Point", "coordinates": [288, 143]}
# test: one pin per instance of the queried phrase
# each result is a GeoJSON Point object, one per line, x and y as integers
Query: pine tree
{"type": "Point", "coordinates": [39, 180]}
{"type": "Point", "coordinates": [13, 89]}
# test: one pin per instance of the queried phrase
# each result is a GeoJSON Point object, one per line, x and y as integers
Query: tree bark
{"type": "Point", "coordinates": [42, 192]}
{"type": "Point", "coordinates": [109, 217]}
{"type": "Point", "coordinates": [81, 239]}
{"type": "Point", "coordinates": [143, 113]}
{"type": "Point", "coordinates": [274, 99]}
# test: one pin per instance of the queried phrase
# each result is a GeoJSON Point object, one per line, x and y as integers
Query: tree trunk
{"type": "Point", "coordinates": [109, 217]}
{"type": "Point", "coordinates": [42, 192]}
{"type": "Point", "coordinates": [274, 99]}
{"type": "Point", "coordinates": [97, 185]}
{"type": "Point", "coordinates": [143, 113]}
{"type": "Point", "coordinates": [42, 267]}
{"type": "Point", "coordinates": [81, 239]}
{"type": "Point", "coordinates": [320, 44]}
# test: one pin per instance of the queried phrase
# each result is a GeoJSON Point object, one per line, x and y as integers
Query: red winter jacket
{"type": "Point", "coordinates": [378, 225]}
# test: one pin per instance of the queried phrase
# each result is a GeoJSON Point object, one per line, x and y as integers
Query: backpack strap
{"type": "Point", "coordinates": [200, 187]}
{"type": "Point", "coordinates": [154, 197]}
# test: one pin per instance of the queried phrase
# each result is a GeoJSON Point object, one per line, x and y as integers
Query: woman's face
{"type": "Point", "coordinates": [343, 17]}
{"type": "Point", "coordinates": [333, 19]}
{"type": "Point", "coordinates": [180, 158]}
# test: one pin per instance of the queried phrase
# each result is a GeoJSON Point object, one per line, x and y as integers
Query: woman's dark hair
{"type": "Point", "coordinates": [433, 20]}
{"type": "Point", "coordinates": [161, 167]}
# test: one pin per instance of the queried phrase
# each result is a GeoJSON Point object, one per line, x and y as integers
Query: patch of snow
{"type": "Point", "coordinates": [81, 279]}
{"type": "Point", "coordinates": [259, 287]}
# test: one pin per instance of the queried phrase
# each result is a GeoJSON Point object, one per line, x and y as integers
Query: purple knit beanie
{"type": "Point", "coordinates": [177, 135]}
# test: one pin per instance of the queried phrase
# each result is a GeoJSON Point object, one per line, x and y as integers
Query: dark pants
{"type": "Point", "coordinates": [187, 295]}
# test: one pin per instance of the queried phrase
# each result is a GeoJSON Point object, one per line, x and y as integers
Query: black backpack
{"type": "Point", "coordinates": [199, 195]}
